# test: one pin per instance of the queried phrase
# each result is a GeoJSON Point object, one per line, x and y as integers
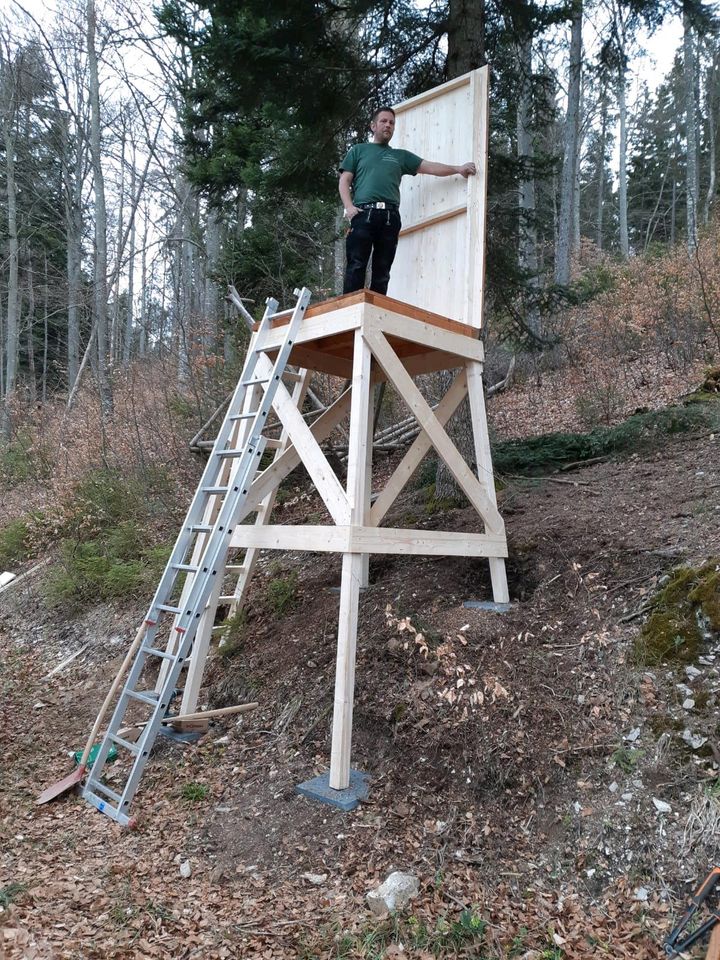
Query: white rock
{"type": "Point", "coordinates": [613, 787]}
{"type": "Point", "coordinates": [185, 870]}
{"type": "Point", "coordinates": [693, 740]}
{"type": "Point", "coordinates": [633, 735]}
{"type": "Point", "coordinates": [315, 878]}
{"type": "Point", "coordinates": [641, 894]}
{"type": "Point", "coordinates": [692, 672]}
{"type": "Point", "coordinates": [688, 704]}
{"type": "Point", "coordinates": [394, 894]}
{"type": "Point", "coordinates": [661, 806]}
{"type": "Point", "coordinates": [627, 796]}
{"type": "Point", "coordinates": [6, 578]}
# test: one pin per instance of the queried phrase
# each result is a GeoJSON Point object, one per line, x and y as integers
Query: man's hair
{"type": "Point", "coordinates": [380, 110]}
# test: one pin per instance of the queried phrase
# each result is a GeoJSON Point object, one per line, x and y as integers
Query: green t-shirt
{"type": "Point", "coordinates": [377, 170]}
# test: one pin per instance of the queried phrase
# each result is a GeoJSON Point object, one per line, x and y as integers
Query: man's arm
{"type": "Point", "coordinates": [346, 179]}
{"type": "Point", "coordinates": [447, 169]}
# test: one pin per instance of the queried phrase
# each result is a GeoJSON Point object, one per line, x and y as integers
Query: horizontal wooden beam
{"type": "Point", "coordinates": [434, 337]}
{"type": "Point", "coordinates": [347, 539]}
{"type": "Point", "coordinates": [436, 218]}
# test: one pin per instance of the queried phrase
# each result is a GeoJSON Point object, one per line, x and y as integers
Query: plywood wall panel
{"type": "Point", "coordinates": [439, 266]}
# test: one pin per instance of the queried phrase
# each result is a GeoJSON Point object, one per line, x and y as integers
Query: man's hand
{"type": "Point", "coordinates": [467, 170]}
{"type": "Point", "coordinates": [351, 211]}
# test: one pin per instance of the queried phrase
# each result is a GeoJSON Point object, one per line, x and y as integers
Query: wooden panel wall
{"type": "Point", "coordinates": [440, 259]}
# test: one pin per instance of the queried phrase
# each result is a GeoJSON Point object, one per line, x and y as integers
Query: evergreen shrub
{"type": "Point", "coordinates": [109, 549]}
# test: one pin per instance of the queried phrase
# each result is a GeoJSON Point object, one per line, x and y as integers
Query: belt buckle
{"type": "Point", "coordinates": [381, 205]}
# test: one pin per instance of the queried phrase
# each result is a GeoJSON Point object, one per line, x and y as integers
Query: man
{"type": "Point", "coordinates": [369, 186]}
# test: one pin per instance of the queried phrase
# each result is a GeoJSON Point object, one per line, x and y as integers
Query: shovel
{"type": "Point", "coordinates": [78, 774]}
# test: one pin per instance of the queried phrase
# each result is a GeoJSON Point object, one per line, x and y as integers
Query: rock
{"type": "Point", "coordinates": [688, 704]}
{"type": "Point", "coordinates": [693, 740]}
{"type": "Point", "coordinates": [661, 806]}
{"type": "Point", "coordinates": [185, 870]}
{"type": "Point", "coordinates": [641, 894]}
{"type": "Point", "coordinates": [692, 672]}
{"type": "Point", "coordinates": [317, 879]}
{"type": "Point", "coordinates": [633, 735]}
{"type": "Point", "coordinates": [394, 894]}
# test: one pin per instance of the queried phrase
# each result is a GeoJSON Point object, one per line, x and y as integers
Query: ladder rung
{"type": "Point", "coordinates": [230, 599]}
{"type": "Point", "coordinates": [235, 566]}
{"type": "Point", "coordinates": [143, 697]}
{"type": "Point", "coordinates": [201, 528]}
{"type": "Point", "coordinates": [100, 787]}
{"type": "Point", "coordinates": [282, 313]}
{"type": "Point", "coordinates": [294, 377]}
{"type": "Point", "coordinates": [255, 381]}
{"type": "Point", "coordinates": [185, 566]}
{"type": "Point", "coordinates": [168, 609]}
{"type": "Point", "coordinates": [234, 453]}
{"type": "Point", "coordinates": [215, 490]}
{"type": "Point", "coordinates": [125, 744]}
{"type": "Point", "coordinates": [154, 652]}
{"type": "Point", "coordinates": [244, 416]}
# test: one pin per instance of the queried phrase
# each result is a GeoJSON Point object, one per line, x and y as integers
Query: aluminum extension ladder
{"type": "Point", "coordinates": [226, 494]}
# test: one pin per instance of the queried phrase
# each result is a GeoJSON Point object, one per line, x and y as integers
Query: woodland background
{"type": "Point", "coordinates": [149, 160]}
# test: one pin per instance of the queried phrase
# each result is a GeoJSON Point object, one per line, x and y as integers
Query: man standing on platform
{"type": "Point", "coordinates": [370, 178]}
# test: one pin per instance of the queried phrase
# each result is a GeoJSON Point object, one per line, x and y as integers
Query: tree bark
{"type": "Point", "coordinates": [11, 329]}
{"type": "Point", "coordinates": [466, 36]}
{"type": "Point", "coordinates": [689, 65]}
{"type": "Point", "coordinates": [622, 165]}
{"type": "Point", "coordinates": [527, 222]}
{"type": "Point", "coordinates": [570, 158]}
{"type": "Point", "coordinates": [100, 272]}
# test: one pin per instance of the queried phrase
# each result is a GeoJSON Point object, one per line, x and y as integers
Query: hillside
{"type": "Point", "coordinates": [549, 776]}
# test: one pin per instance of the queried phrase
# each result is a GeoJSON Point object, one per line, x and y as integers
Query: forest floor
{"type": "Point", "coordinates": [547, 787]}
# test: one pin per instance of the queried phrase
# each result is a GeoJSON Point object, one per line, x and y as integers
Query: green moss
{"type": "Point", "coordinates": [642, 430]}
{"type": "Point", "coordinates": [686, 613]}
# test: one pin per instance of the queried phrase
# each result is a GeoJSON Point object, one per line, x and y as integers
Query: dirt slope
{"type": "Point", "coordinates": [524, 765]}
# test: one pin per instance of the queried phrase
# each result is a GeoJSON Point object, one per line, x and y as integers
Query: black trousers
{"type": "Point", "coordinates": [371, 232]}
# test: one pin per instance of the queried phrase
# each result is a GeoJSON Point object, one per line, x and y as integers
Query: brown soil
{"type": "Point", "coordinates": [515, 759]}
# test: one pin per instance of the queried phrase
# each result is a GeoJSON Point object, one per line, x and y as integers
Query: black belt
{"type": "Point", "coordinates": [380, 205]}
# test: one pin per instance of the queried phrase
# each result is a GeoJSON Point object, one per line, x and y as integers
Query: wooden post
{"type": "Point", "coordinates": [353, 566]}
{"type": "Point", "coordinates": [483, 458]}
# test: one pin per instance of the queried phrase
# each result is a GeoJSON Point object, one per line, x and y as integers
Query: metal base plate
{"type": "Point", "coordinates": [319, 789]}
{"type": "Point", "coordinates": [189, 736]}
{"type": "Point", "coordinates": [487, 605]}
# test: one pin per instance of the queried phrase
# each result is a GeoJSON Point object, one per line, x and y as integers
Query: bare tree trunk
{"type": "Point", "coordinates": [600, 169]}
{"type": "Point", "coordinates": [142, 344]}
{"type": "Point", "coordinates": [116, 348]}
{"type": "Point", "coordinates": [72, 175]}
{"type": "Point", "coordinates": [100, 278]}
{"type": "Point", "coordinates": [12, 333]}
{"type": "Point", "coordinates": [527, 223]}
{"type": "Point", "coordinates": [32, 383]}
{"type": "Point", "coordinates": [129, 316]}
{"type": "Point", "coordinates": [711, 91]}
{"type": "Point", "coordinates": [211, 294]}
{"type": "Point", "coordinates": [622, 167]}
{"type": "Point", "coordinates": [46, 316]}
{"type": "Point", "coordinates": [689, 65]}
{"type": "Point", "coordinates": [570, 159]}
